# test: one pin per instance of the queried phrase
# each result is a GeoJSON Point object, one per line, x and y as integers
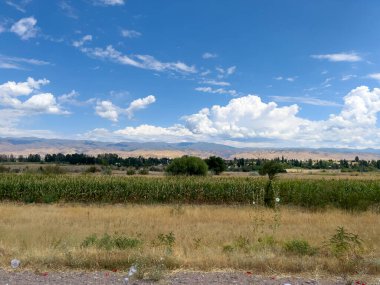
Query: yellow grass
{"type": "Point", "coordinates": [50, 236]}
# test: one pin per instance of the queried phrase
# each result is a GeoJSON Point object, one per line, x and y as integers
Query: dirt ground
{"type": "Point", "coordinates": [191, 278]}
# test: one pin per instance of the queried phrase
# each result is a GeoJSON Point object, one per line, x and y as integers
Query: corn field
{"type": "Point", "coordinates": [312, 194]}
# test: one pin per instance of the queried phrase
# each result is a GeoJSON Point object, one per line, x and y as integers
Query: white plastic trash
{"type": "Point", "coordinates": [126, 279]}
{"type": "Point", "coordinates": [15, 263]}
{"type": "Point", "coordinates": [132, 270]}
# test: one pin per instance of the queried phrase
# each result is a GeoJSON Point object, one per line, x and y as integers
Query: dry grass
{"type": "Point", "coordinates": [50, 236]}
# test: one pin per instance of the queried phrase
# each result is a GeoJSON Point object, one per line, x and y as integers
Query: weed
{"type": "Point", "coordinates": [344, 243]}
{"type": "Point", "coordinates": [299, 247]}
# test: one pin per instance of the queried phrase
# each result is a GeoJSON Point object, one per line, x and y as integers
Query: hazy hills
{"type": "Point", "coordinates": [25, 146]}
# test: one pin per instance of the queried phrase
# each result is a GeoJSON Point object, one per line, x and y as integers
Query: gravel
{"type": "Point", "coordinates": [191, 278]}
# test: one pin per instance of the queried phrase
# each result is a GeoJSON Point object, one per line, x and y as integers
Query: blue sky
{"type": "Point", "coordinates": [243, 73]}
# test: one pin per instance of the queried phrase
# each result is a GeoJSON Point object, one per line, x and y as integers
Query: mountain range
{"type": "Point", "coordinates": [28, 145]}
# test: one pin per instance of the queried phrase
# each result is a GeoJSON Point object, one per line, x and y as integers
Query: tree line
{"type": "Point", "coordinates": [236, 164]}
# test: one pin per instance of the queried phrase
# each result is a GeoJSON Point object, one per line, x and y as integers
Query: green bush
{"type": "Point", "coordinates": [108, 242]}
{"type": "Point", "coordinates": [131, 171]}
{"type": "Point", "coordinates": [187, 165]}
{"type": "Point", "coordinates": [92, 169]}
{"type": "Point", "coordinates": [144, 171]}
{"type": "Point", "coordinates": [299, 247]}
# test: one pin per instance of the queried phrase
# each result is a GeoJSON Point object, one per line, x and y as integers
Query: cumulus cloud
{"type": "Point", "coordinates": [139, 104]}
{"type": "Point", "coordinates": [217, 91]}
{"type": "Point", "coordinates": [250, 121]}
{"type": "Point", "coordinates": [225, 72]}
{"type": "Point", "coordinates": [36, 104]}
{"type": "Point", "coordinates": [339, 57]}
{"type": "Point", "coordinates": [139, 61]}
{"type": "Point", "coordinates": [208, 55]}
{"type": "Point", "coordinates": [107, 110]}
{"type": "Point", "coordinates": [290, 79]}
{"type": "Point", "coordinates": [130, 33]}
{"type": "Point", "coordinates": [25, 28]}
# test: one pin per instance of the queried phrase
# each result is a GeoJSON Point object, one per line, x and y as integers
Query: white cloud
{"type": "Point", "coordinates": [25, 28]}
{"type": "Point", "coordinates": [2, 28]}
{"type": "Point", "coordinates": [82, 41]}
{"type": "Point", "coordinates": [107, 110]}
{"type": "Point", "coordinates": [130, 34]}
{"type": "Point", "coordinates": [208, 55]}
{"type": "Point", "coordinates": [304, 100]}
{"type": "Point", "coordinates": [375, 76]}
{"type": "Point", "coordinates": [36, 104]}
{"type": "Point", "coordinates": [67, 9]}
{"type": "Point", "coordinates": [348, 77]}
{"type": "Point", "coordinates": [19, 5]}
{"type": "Point", "coordinates": [109, 2]}
{"type": "Point", "coordinates": [222, 73]}
{"type": "Point", "coordinates": [9, 62]}
{"type": "Point", "coordinates": [140, 61]}
{"type": "Point", "coordinates": [139, 104]}
{"type": "Point", "coordinates": [339, 57]}
{"type": "Point", "coordinates": [217, 91]}
{"type": "Point", "coordinates": [250, 121]}
{"type": "Point", "coordinates": [217, 83]}
{"type": "Point", "coordinates": [290, 79]}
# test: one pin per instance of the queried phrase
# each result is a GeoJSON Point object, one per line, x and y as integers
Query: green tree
{"type": "Point", "coordinates": [271, 168]}
{"type": "Point", "coordinates": [187, 165]}
{"type": "Point", "coordinates": [216, 164]}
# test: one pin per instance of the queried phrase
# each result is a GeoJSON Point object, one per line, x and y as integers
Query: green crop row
{"type": "Point", "coordinates": [34, 188]}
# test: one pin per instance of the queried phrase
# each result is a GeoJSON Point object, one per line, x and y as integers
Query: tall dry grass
{"type": "Point", "coordinates": [206, 237]}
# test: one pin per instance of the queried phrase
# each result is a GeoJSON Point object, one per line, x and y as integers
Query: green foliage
{"type": "Point", "coordinates": [4, 169]}
{"type": "Point", "coordinates": [51, 170]}
{"type": "Point", "coordinates": [344, 243]}
{"type": "Point", "coordinates": [166, 240]}
{"type": "Point", "coordinates": [92, 169]}
{"type": "Point", "coordinates": [144, 171]}
{"type": "Point", "coordinates": [271, 168]}
{"type": "Point", "coordinates": [187, 165]}
{"type": "Point", "coordinates": [131, 171]}
{"type": "Point", "coordinates": [352, 195]}
{"type": "Point", "coordinates": [107, 170]}
{"type": "Point", "coordinates": [216, 164]}
{"type": "Point", "coordinates": [108, 242]}
{"type": "Point", "coordinates": [299, 247]}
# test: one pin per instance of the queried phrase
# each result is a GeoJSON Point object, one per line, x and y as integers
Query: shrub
{"type": "Point", "coordinates": [187, 165]}
{"type": "Point", "coordinates": [92, 169]}
{"type": "Point", "coordinates": [344, 243]}
{"type": "Point", "coordinates": [299, 247]}
{"type": "Point", "coordinates": [48, 170]}
{"type": "Point", "coordinates": [4, 169]}
{"type": "Point", "coordinates": [108, 242]}
{"type": "Point", "coordinates": [131, 171]}
{"type": "Point", "coordinates": [144, 171]}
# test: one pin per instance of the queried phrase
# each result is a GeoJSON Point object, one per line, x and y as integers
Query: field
{"type": "Point", "coordinates": [353, 195]}
{"type": "Point", "coordinates": [168, 237]}
{"type": "Point", "coordinates": [318, 225]}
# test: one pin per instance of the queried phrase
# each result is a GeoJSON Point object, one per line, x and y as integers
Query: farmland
{"type": "Point", "coordinates": [352, 195]}
{"type": "Point", "coordinates": [93, 221]}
